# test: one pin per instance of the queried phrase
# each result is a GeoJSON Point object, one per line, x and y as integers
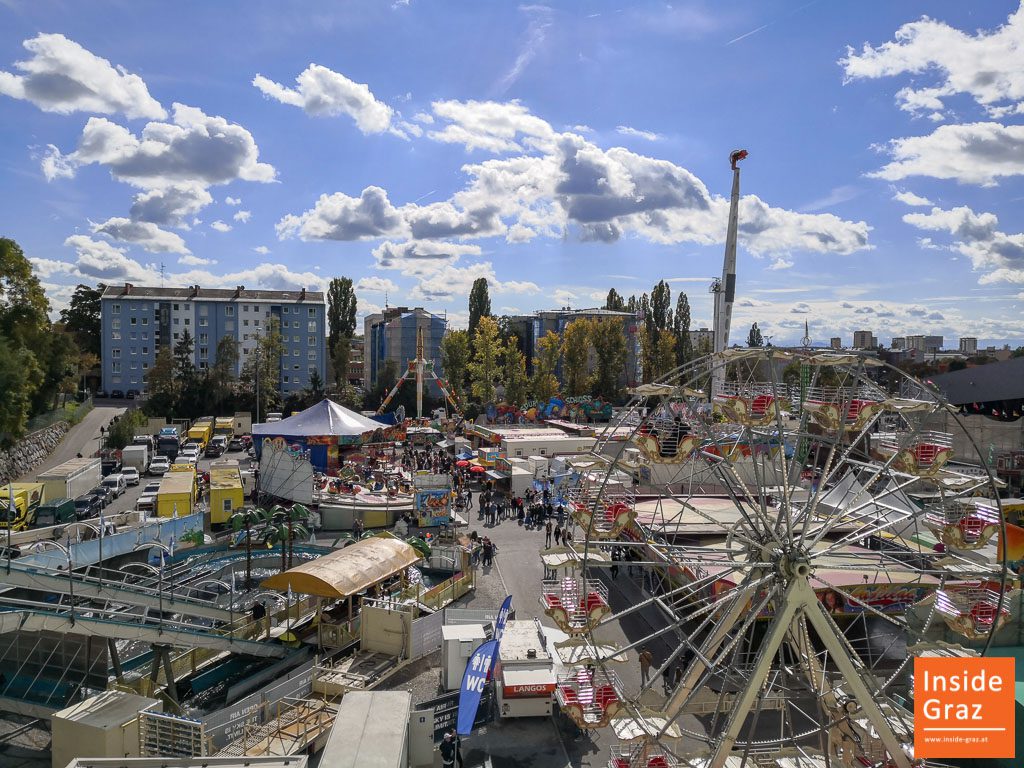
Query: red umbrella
{"type": "Point", "coordinates": [461, 463]}
{"type": "Point", "coordinates": [477, 469]}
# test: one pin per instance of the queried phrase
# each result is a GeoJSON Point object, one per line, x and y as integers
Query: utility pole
{"type": "Point", "coordinates": [257, 378]}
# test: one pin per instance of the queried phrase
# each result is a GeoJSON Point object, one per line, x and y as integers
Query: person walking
{"type": "Point", "coordinates": [558, 535]}
{"type": "Point", "coordinates": [448, 750]}
{"type": "Point", "coordinates": [616, 557]}
{"type": "Point", "coordinates": [547, 534]}
{"type": "Point", "coordinates": [646, 659]}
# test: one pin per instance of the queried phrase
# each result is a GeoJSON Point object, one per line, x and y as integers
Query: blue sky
{"type": "Point", "coordinates": [557, 150]}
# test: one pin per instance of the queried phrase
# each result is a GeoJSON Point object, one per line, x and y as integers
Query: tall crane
{"type": "Point", "coordinates": [725, 289]}
{"type": "Point", "coordinates": [420, 368]}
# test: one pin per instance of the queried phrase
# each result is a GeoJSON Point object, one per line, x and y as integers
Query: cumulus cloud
{"type": "Point", "coordinates": [780, 263]}
{"type": "Point", "coordinates": [909, 198]}
{"type": "Point", "coordinates": [972, 153]}
{"type": "Point", "coordinates": [420, 257]}
{"type": "Point", "coordinates": [490, 125]}
{"type": "Point", "coordinates": [142, 233]}
{"type": "Point", "coordinates": [195, 261]}
{"type": "Point", "coordinates": [63, 77]}
{"type": "Point", "coordinates": [173, 205]}
{"type": "Point", "coordinates": [450, 282]}
{"type": "Point", "coordinates": [998, 255]}
{"type": "Point", "coordinates": [220, 226]}
{"type": "Point", "coordinates": [563, 297]}
{"type": "Point", "coordinates": [242, 216]}
{"type": "Point", "coordinates": [195, 148]}
{"type": "Point", "coordinates": [626, 130]}
{"type": "Point", "coordinates": [985, 66]}
{"type": "Point", "coordinates": [376, 285]}
{"type": "Point", "coordinates": [322, 92]}
{"type": "Point", "coordinates": [99, 260]}
{"type": "Point", "coordinates": [262, 250]}
{"type": "Point", "coordinates": [340, 217]}
{"type": "Point", "coordinates": [229, 200]}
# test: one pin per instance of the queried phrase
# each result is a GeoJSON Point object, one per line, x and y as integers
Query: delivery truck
{"type": "Point", "coordinates": [25, 499]}
{"type": "Point", "coordinates": [177, 494]}
{"type": "Point", "coordinates": [71, 479]}
{"type": "Point", "coordinates": [135, 456]}
{"type": "Point", "coordinates": [55, 512]}
{"type": "Point", "coordinates": [224, 425]}
{"type": "Point", "coordinates": [226, 493]}
{"type": "Point", "coordinates": [201, 432]}
{"type": "Point", "coordinates": [168, 443]}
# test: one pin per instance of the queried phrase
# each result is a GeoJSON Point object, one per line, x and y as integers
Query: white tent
{"type": "Point", "coordinates": [324, 418]}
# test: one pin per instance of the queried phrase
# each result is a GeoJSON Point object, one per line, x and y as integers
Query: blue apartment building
{"type": "Point", "coordinates": [391, 335]}
{"type": "Point", "coordinates": [135, 321]}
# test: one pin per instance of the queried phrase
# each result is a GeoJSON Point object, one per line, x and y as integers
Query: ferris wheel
{"type": "Point", "coordinates": [791, 528]}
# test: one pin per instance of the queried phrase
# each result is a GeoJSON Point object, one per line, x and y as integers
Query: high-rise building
{"type": "Point", "coordinates": [864, 340]}
{"type": "Point", "coordinates": [391, 335]}
{"type": "Point", "coordinates": [135, 321]}
{"type": "Point", "coordinates": [898, 342]}
{"type": "Point", "coordinates": [969, 345]}
{"type": "Point", "coordinates": [836, 342]}
{"type": "Point", "coordinates": [926, 344]}
{"type": "Point", "coordinates": [702, 339]}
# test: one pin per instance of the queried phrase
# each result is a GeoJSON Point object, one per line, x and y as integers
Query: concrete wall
{"type": "Point", "coordinates": [30, 452]}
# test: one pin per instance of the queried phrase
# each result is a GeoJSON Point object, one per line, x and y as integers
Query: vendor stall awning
{"type": "Point", "coordinates": [347, 571]}
{"type": "Point", "coordinates": [495, 475]}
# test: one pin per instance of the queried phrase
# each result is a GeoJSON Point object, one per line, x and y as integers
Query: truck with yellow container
{"type": "Point", "coordinates": [226, 491]}
{"type": "Point", "coordinates": [177, 493]}
{"type": "Point", "coordinates": [201, 432]}
{"type": "Point", "coordinates": [19, 502]}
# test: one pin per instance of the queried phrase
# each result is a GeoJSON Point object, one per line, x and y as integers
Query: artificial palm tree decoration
{"type": "Point", "coordinates": [244, 519]}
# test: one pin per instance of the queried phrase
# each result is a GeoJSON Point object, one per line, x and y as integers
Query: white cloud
{"type": "Point", "coordinates": [229, 200]}
{"type": "Point", "coordinates": [986, 65]}
{"type": "Point", "coordinates": [450, 281]}
{"type": "Point", "coordinates": [242, 216]}
{"type": "Point", "coordinates": [321, 92]}
{"type": "Point", "coordinates": [220, 226]}
{"type": "Point", "coordinates": [999, 256]}
{"type": "Point", "coordinates": [626, 130]}
{"type": "Point", "coordinates": [536, 37]}
{"type": "Point", "coordinates": [141, 233]}
{"type": "Point", "coordinates": [47, 268]}
{"type": "Point", "coordinates": [489, 125]}
{"type": "Point", "coordinates": [563, 297]}
{"type": "Point", "coordinates": [340, 217]}
{"type": "Point", "coordinates": [195, 261]}
{"type": "Point", "coordinates": [909, 198]}
{"type": "Point", "coordinates": [376, 285]}
{"type": "Point", "coordinates": [973, 153]}
{"type": "Point", "coordinates": [581, 128]}
{"type": "Point", "coordinates": [421, 257]}
{"type": "Point", "coordinates": [196, 148]}
{"type": "Point", "coordinates": [262, 250]}
{"type": "Point", "coordinates": [171, 206]}
{"type": "Point", "coordinates": [781, 263]}
{"type": "Point", "coordinates": [64, 77]}
{"type": "Point", "coordinates": [99, 260]}
{"type": "Point", "coordinates": [423, 117]}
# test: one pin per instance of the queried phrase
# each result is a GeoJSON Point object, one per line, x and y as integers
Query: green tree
{"type": "Point", "coordinates": [386, 378]}
{"type": "Point", "coordinates": [57, 356]}
{"type": "Point", "coordinates": [754, 338]}
{"type": "Point", "coordinates": [614, 301]}
{"type": "Point", "coordinates": [341, 321]}
{"type": "Point", "coordinates": [222, 379]}
{"type": "Point", "coordinates": [121, 432]}
{"type": "Point", "coordinates": [184, 360]}
{"type": "Point", "coordinates": [82, 317]}
{"type": "Point", "coordinates": [517, 383]}
{"type": "Point", "coordinates": [455, 359]}
{"type": "Point", "coordinates": [681, 329]}
{"type": "Point", "coordinates": [161, 385]}
{"type": "Point", "coordinates": [485, 367]}
{"type": "Point", "coordinates": [18, 371]}
{"type": "Point", "coordinates": [576, 357]}
{"type": "Point", "coordinates": [609, 340]}
{"type": "Point", "coordinates": [479, 304]}
{"type": "Point", "coordinates": [264, 366]}
{"type": "Point", "coordinates": [315, 387]}
{"type": "Point", "coordinates": [23, 304]}
{"type": "Point", "coordinates": [664, 360]}
{"type": "Point", "coordinates": [661, 307]}
{"type": "Point", "coordinates": [544, 384]}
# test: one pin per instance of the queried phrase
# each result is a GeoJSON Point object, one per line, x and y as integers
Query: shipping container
{"type": "Point", "coordinates": [224, 425]}
{"type": "Point", "coordinates": [135, 456]}
{"type": "Point", "coordinates": [71, 479]}
{"type": "Point", "coordinates": [177, 494]}
{"type": "Point", "coordinates": [226, 492]}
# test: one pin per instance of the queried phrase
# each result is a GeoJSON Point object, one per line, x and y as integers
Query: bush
{"type": "Point", "coordinates": [125, 427]}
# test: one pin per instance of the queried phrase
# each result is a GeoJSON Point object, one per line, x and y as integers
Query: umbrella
{"type": "Point", "coordinates": [461, 463]}
{"type": "Point", "coordinates": [477, 469]}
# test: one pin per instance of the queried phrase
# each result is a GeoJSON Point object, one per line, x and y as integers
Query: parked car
{"type": "Point", "coordinates": [236, 444]}
{"type": "Point", "coordinates": [100, 394]}
{"type": "Point", "coordinates": [130, 475]}
{"type": "Point", "coordinates": [87, 506]}
{"type": "Point", "coordinates": [116, 483]}
{"type": "Point", "coordinates": [102, 494]}
{"type": "Point", "coordinates": [117, 394]}
{"type": "Point", "coordinates": [214, 449]}
{"type": "Point", "coordinates": [131, 394]}
{"type": "Point", "coordinates": [159, 465]}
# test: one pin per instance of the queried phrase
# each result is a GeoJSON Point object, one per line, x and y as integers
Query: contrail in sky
{"type": "Point", "coordinates": [765, 26]}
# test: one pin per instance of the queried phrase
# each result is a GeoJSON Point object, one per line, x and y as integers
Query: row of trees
{"type": "Point", "coordinates": [39, 360]}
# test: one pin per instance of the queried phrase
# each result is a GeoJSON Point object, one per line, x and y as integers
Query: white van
{"type": "Point", "coordinates": [271, 417]}
{"type": "Point", "coordinates": [116, 483]}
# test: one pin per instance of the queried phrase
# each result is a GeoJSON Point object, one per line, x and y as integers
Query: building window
{"type": "Point", "coordinates": [175, 307]}
{"type": "Point", "coordinates": [115, 353]}
{"type": "Point", "coordinates": [145, 350]}
{"type": "Point", "coordinates": [175, 335]}
{"type": "Point", "coordinates": [115, 367]}
{"type": "Point", "coordinates": [177, 321]}
{"type": "Point", "coordinates": [296, 339]}
{"type": "Point", "coordinates": [187, 321]}
{"type": "Point", "coordinates": [227, 505]}
{"type": "Point", "coordinates": [204, 351]}
{"type": "Point", "coordinates": [145, 365]}
{"type": "Point", "coordinates": [312, 311]}
{"type": "Point", "coordinates": [256, 322]}
{"type": "Point", "coordinates": [245, 337]}
{"type": "Point", "coordinates": [245, 322]}
{"type": "Point", "coordinates": [229, 311]}
{"type": "Point", "coordinates": [202, 365]}
{"type": "Point", "coordinates": [295, 324]}
{"type": "Point", "coordinates": [311, 326]}
{"type": "Point", "coordinates": [284, 311]}
{"type": "Point", "coordinates": [132, 335]}
{"type": "Point", "coordinates": [311, 341]}
{"type": "Point", "coordinates": [203, 322]}
{"type": "Point", "coordinates": [115, 336]}
{"type": "Point", "coordinates": [115, 309]}
{"type": "Point", "coordinates": [284, 379]}
{"type": "Point", "coordinates": [145, 335]}
{"type": "Point", "coordinates": [295, 368]}
{"type": "Point", "coordinates": [204, 338]}
{"type": "Point", "coordinates": [115, 324]}
{"type": "Point", "coordinates": [145, 321]}
{"type": "Point", "coordinates": [311, 354]}
{"type": "Point", "coordinates": [132, 321]}
{"type": "Point", "coordinates": [295, 353]}
{"type": "Point", "coordinates": [204, 310]}
{"type": "Point", "coordinates": [134, 365]}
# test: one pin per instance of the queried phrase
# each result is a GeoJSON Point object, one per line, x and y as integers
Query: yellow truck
{"type": "Point", "coordinates": [177, 493]}
{"type": "Point", "coordinates": [27, 498]}
{"type": "Point", "coordinates": [226, 492]}
{"type": "Point", "coordinates": [201, 431]}
{"type": "Point", "coordinates": [224, 425]}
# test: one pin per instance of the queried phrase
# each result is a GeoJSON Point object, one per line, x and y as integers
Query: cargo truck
{"type": "Point", "coordinates": [226, 492]}
{"type": "Point", "coordinates": [135, 456]}
{"type": "Point", "coordinates": [224, 425]}
{"type": "Point", "coordinates": [168, 443]}
{"type": "Point", "coordinates": [177, 494]}
{"type": "Point", "coordinates": [26, 500]}
{"type": "Point", "coordinates": [71, 479]}
{"type": "Point", "coordinates": [201, 432]}
{"type": "Point", "coordinates": [55, 512]}
{"type": "Point", "coordinates": [524, 676]}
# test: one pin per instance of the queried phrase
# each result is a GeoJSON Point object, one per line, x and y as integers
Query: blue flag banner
{"type": "Point", "coordinates": [499, 623]}
{"type": "Point", "coordinates": [478, 670]}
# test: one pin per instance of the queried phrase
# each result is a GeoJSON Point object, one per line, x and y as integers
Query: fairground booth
{"type": "Point", "coordinates": [327, 431]}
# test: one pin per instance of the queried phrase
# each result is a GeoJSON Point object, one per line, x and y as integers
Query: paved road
{"type": "Point", "coordinates": [82, 438]}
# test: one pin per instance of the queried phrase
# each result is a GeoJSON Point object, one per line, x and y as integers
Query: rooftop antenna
{"type": "Point", "coordinates": [385, 299]}
{"type": "Point", "coordinates": [161, 274]}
